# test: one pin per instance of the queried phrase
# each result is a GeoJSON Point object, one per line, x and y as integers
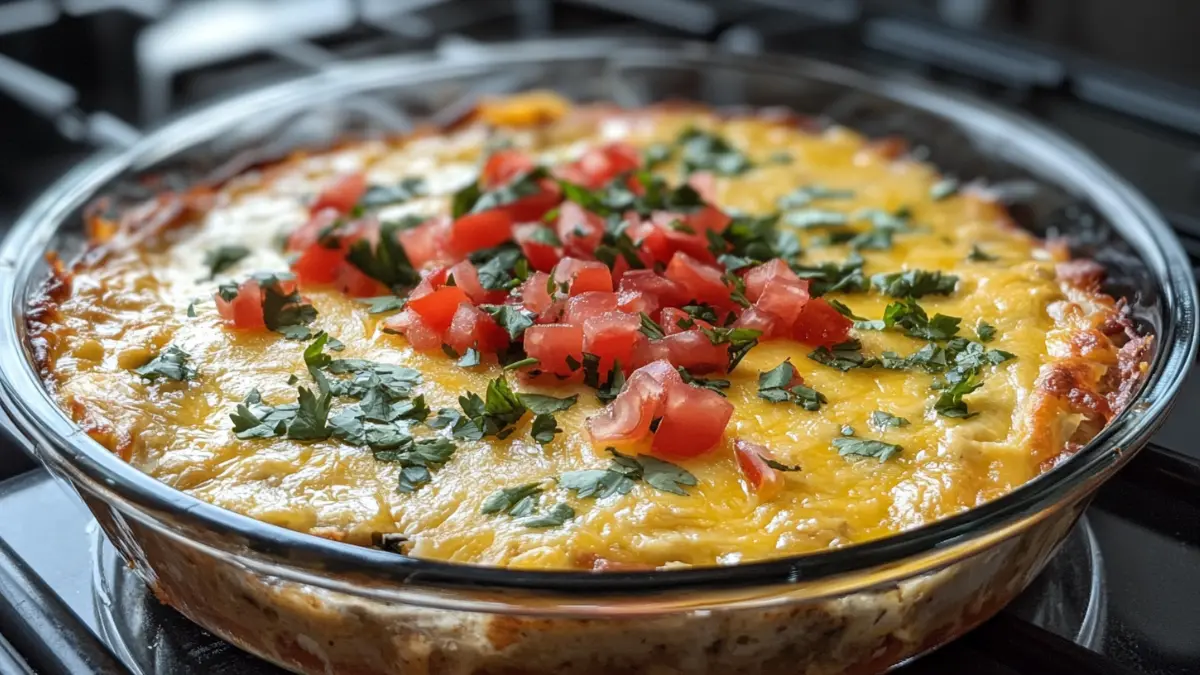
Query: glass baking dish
{"type": "Point", "coordinates": [317, 606]}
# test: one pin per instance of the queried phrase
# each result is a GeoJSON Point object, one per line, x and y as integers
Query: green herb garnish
{"type": "Point", "coordinates": [171, 363]}
{"type": "Point", "coordinates": [222, 258]}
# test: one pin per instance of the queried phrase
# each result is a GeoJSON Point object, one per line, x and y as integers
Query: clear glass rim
{"type": "Point", "coordinates": [142, 497]}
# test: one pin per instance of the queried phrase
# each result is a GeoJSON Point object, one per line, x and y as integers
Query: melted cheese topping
{"type": "Point", "coordinates": [133, 302]}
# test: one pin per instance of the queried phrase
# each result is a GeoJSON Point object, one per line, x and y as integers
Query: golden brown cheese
{"type": "Point", "coordinates": [129, 299]}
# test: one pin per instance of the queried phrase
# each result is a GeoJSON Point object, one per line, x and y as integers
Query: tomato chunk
{"type": "Point", "coordinates": [410, 324]}
{"type": "Point", "coordinates": [665, 292]}
{"type": "Point", "coordinates": [776, 270]}
{"type": "Point", "coordinates": [532, 208]}
{"type": "Point", "coordinates": [600, 165]}
{"type": "Point", "coordinates": [612, 336]}
{"type": "Point", "coordinates": [503, 166]}
{"type": "Point", "coordinates": [473, 327]}
{"type": "Point", "coordinates": [353, 282]}
{"type": "Point", "coordinates": [319, 265]}
{"type": "Point", "coordinates": [820, 324]}
{"type": "Point", "coordinates": [307, 235]}
{"type": "Point", "coordinates": [783, 299]}
{"type": "Point", "coordinates": [534, 240]}
{"type": "Point", "coordinates": [699, 281]}
{"type": "Point", "coordinates": [766, 323]}
{"type": "Point", "coordinates": [424, 243]}
{"type": "Point", "coordinates": [437, 309]}
{"type": "Point", "coordinates": [583, 276]}
{"type": "Point", "coordinates": [245, 309]}
{"type": "Point", "coordinates": [552, 343]}
{"type": "Point", "coordinates": [672, 318]}
{"type": "Point", "coordinates": [693, 350]}
{"type": "Point", "coordinates": [752, 458]}
{"type": "Point", "coordinates": [628, 416]}
{"type": "Point", "coordinates": [693, 421]}
{"type": "Point", "coordinates": [476, 231]}
{"type": "Point", "coordinates": [534, 295]}
{"type": "Point", "coordinates": [580, 231]}
{"type": "Point", "coordinates": [342, 194]}
{"type": "Point", "coordinates": [587, 305]}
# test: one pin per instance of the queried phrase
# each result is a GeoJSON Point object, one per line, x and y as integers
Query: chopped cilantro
{"type": "Point", "coordinates": [775, 385]}
{"type": "Point", "coordinates": [709, 383]}
{"type": "Point", "coordinates": [222, 258]}
{"type": "Point", "coordinates": [979, 255]}
{"type": "Point", "coordinates": [951, 403]}
{"type": "Point", "coordinates": [833, 277]}
{"type": "Point", "coordinates": [514, 321]}
{"type": "Point", "coordinates": [985, 331]}
{"type": "Point", "coordinates": [312, 412]}
{"type": "Point", "coordinates": [386, 261]}
{"type": "Point", "coordinates": [650, 327]}
{"type": "Point", "coordinates": [383, 303]}
{"type": "Point", "coordinates": [555, 516]}
{"type": "Point", "coordinates": [469, 359]}
{"type": "Point", "coordinates": [914, 283]}
{"type": "Point", "coordinates": [705, 151]}
{"type": "Point", "coordinates": [171, 363]}
{"type": "Point", "coordinates": [740, 341]}
{"type": "Point", "coordinates": [382, 195]}
{"type": "Point", "coordinates": [849, 445]}
{"type": "Point", "coordinates": [597, 483]}
{"type": "Point", "coordinates": [844, 356]}
{"type": "Point", "coordinates": [516, 501]}
{"type": "Point", "coordinates": [808, 219]}
{"type": "Point", "coordinates": [805, 195]}
{"type": "Point", "coordinates": [881, 421]}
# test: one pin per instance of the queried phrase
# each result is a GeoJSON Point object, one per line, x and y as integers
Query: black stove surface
{"type": "Point", "coordinates": [1122, 597]}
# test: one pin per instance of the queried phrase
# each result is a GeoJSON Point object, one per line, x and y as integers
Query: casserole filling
{"type": "Point", "coordinates": [557, 337]}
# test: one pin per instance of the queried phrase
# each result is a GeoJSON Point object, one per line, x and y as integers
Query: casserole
{"type": "Point", "coordinates": [317, 607]}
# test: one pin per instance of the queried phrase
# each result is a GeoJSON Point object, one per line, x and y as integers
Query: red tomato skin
{"type": "Point", "coordinates": [472, 327]}
{"type": "Point", "coordinates": [552, 343]}
{"type": "Point", "coordinates": [600, 165]}
{"type": "Point", "coordinates": [542, 256]}
{"type": "Point", "coordinates": [410, 324]}
{"type": "Point", "coordinates": [633, 302]}
{"type": "Point", "coordinates": [466, 277]}
{"type": "Point", "coordinates": [245, 310]}
{"type": "Point", "coordinates": [820, 324]}
{"type": "Point", "coordinates": [700, 282]}
{"type": "Point", "coordinates": [782, 299]}
{"type": "Point", "coordinates": [693, 421]}
{"type": "Point", "coordinates": [751, 458]}
{"type": "Point", "coordinates": [425, 243]}
{"type": "Point", "coordinates": [583, 276]}
{"type": "Point", "coordinates": [579, 230]}
{"type": "Point", "coordinates": [673, 239]}
{"type": "Point", "coordinates": [437, 309]}
{"type": "Point", "coordinates": [628, 417]}
{"type": "Point", "coordinates": [613, 336]}
{"type": "Point", "coordinates": [587, 305]}
{"type": "Point", "coordinates": [503, 166]}
{"type": "Point", "coordinates": [476, 231]}
{"type": "Point", "coordinates": [705, 184]}
{"type": "Point", "coordinates": [342, 194]}
{"type": "Point", "coordinates": [353, 282]}
{"type": "Point", "coordinates": [757, 277]}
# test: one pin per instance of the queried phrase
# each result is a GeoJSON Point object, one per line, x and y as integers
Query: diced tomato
{"type": "Point", "coordinates": [308, 234]}
{"type": "Point", "coordinates": [612, 336]}
{"type": "Point", "coordinates": [693, 421]}
{"type": "Point", "coordinates": [473, 327]}
{"type": "Point", "coordinates": [587, 305]}
{"type": "Point", "coordinates": [708, 219]}
{"type": "Point", "coordinates": [353, 282]}
{"type": "Point", "coordinates": [245, 310]}
{"type": "Point", "coordinates": [466, 277]}
{"type": "Point", "coordinates": [534, 295]}
{"type": "Point", "coordinates": [342, 194]}
{"type": "Point", "coordinates": [600, 165]}
{"type": "Point", "coordinates": [437, 308]}
{"type": "Point", "coordinates": [476, 231]}
{"type": "Point", "coordinates": [783, 299]}
{"type": "Point", "coordinates": [541, 255]}
{"type": "Point", "coordinates": [766, 323]}
{"type": "Point", "coordinates": [752, 460]}
{"type": "Point", "coordinates": [552, 343]}
{"type": "Point", "coordinates": [424, 243]}
{"type": "Point", "coordinates": [410, 324]}
{"type": "Point", "coordinates": [705, 184]}
{"type": "Point", "coordinates": [628, 417]}
{"type": "Point", "coordinates": [583, 276]}
{"type": "Point", "coordinates": [665, 292]}
{"type": "Point", "coordinates": [579, 230]}
{"type": "Point", "coordinates": [820, 324]}
{"type": "Point", "coordinates": [319, 265]}
{"type": "Point", "coordinates": [699, 281]}
{"type": "Point", "coordinates": [650, 240]}
{"type": "Point", "coordinates": [677, 233]}
{"type": "Point", "coordinates": [503, 166]}
{"type": "Point", "coordinates": [757, 277]}
{"type": "Point", "coordinates": [671, 317]}
{"type": "Point", "coordinates": [634, 302]}
{"type": "Point", "coordinates": [534, 207]}
{"type": "Point", "coordinates": [693, 350]}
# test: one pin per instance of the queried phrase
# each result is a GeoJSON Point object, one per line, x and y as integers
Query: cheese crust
{"type": "Point", "coordinates": [1077, 359]}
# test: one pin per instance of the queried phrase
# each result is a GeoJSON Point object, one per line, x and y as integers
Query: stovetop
{"type": "Point", "coordinates": [1123, 595]}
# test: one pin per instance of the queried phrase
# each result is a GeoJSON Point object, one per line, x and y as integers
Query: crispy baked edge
{"type": "Point", "coordinates": [1070, 385]}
